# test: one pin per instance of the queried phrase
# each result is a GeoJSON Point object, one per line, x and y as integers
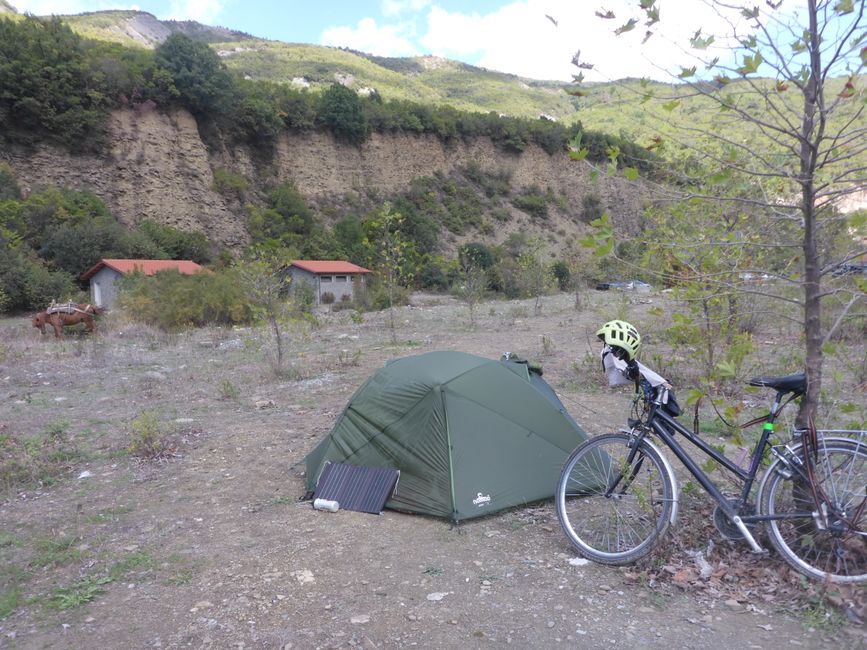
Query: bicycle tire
{"type": "Point", "coordinates": [625, 526]}
{"type": "Point", "coordinates": [835, 550]}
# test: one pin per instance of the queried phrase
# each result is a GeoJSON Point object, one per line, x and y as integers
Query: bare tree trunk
{"type": "Point", "coordinates": [813, 100]}
{"type": "Point", "coordinates": [275, 326]}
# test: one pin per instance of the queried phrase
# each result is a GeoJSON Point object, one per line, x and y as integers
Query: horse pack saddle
{"type": "Point", "coordinates": [67, 308]}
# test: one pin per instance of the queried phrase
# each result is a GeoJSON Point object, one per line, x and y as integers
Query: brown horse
{"type": "Point", "coordinates": [63, 315]}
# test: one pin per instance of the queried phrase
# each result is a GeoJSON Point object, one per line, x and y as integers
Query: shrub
{"type": "Point", "coordinates": [170, 300]}
{"type": "Point", "coordinates": [591, 207]}
{"type": "Point", "coordinates": [230, 184]}
{"type": "Point", "coordinates": [149, 439]}
{"type": "Point", "coordinates": [9, 189]}
{"type": "Point", "coordinates": [327, 298]}
{"type": "Point", "coordinates": [533, 202]}
{"type": "Point", "coordinates": [562, 273]}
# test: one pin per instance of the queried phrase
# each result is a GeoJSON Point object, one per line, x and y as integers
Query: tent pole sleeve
{"type": "Point", "coordinates": [449, 443]}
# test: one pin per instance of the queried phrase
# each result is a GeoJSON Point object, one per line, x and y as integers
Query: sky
{"type": "Point", "coordinates": [529, 38]}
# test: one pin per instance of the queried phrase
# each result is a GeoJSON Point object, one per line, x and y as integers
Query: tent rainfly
{"type": "Point", "coordinates": [470, 436]}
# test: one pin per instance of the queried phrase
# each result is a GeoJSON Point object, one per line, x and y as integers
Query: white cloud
{"type": "Point", "coordinates": [386, 40]}
{"type": "Point", "coordinates": [520, 38]}
{"type": "Point", "coordinates": [203, 11]}
{"type": "Point", "coordinates": [396, 7]}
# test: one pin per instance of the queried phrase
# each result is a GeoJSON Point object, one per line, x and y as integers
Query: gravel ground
{"type": "Point", "coordinates": [210, 547]}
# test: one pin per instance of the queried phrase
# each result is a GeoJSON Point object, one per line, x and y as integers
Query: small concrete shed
{"type": "Point", "coordinates": [333, 279]}
{"type": "Point", "coordinates": [103, 275]}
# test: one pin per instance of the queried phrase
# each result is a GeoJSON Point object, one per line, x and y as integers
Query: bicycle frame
{"type": "Point", "coordinates": [663, 425]}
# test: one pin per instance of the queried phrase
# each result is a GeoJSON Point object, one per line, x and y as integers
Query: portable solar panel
{"type": "Point", "coordinates": [362, 489]}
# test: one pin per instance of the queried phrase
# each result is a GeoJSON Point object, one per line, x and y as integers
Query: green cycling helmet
{"type": "Point", "coordinates": [620, 334]}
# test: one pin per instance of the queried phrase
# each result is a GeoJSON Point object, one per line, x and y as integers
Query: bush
{"type": "Point", "coordinates": [327, 298]}
{"type": "Point", "coordinates": [591, 207]}
{"type": "Point", "coordinates": [149, 439]}
{"type": "Point", "coordinates": [561, 272]}
{"type": "Point", "coordinates": [230, 184]}
{"type": "Point", "coordinates": [533, 202]}
{"type": "Point", "coordinates": [170, 300]}
{"type": "Point", "coordinates": [9, 189]}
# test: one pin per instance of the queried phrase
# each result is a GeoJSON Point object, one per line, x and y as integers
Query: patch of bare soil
{"type": "Point", "coordinates": [210, 547]}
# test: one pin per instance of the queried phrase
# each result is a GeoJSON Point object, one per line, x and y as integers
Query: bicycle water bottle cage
{"type": "Point", "coordinates": [796, 383]}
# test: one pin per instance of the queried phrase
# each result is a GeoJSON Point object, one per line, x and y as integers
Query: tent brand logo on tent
{"type": "Point", "coordinates": [482, 499]}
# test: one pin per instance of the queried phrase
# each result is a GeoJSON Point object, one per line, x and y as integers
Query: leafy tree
{"type": "Point", "coordinates": [46, 210]}
{"type": "Point", "coordinates": [285, 222]}
{"type": "Point", "coordinates": [203, 84]}
{"type": "Point", "coordinates": [791, 83]}
{"type": "Point", "coordinates": [177, 244]}
{"type": "Point", "coordinates": [472, 284]}
{"type": "Point", "coordinates": [46, 90]}
{"type": "Point", "coordinates": [349, 235]}
{"type": "Point", "coordinates": [266, 285]}
{"type": "Point", "coordinates": [476, 254]}
{"type": "Point", "coordinates": [340, 110]}
{"type": "Point", "coordinates": [76, 248]}
{"type": "Point", "coordinates": [128, 75]}
{"type": "Point", "coordinates": [534, 276]}
{"type": "Point", "coordinates": [390, 255]}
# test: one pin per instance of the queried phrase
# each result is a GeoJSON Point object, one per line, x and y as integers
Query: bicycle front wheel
{"type": "Point", "coordinates": [828, 540]}
{"type": "Point", "coordinates": [615, 502]}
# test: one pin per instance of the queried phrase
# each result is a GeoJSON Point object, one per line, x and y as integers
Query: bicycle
{"type": "Point", "coordinates": [617, 495]}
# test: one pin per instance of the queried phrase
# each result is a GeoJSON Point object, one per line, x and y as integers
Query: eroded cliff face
{"type": "Point", "coordinates": [158, 168]}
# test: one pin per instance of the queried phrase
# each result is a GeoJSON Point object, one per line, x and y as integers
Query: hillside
{"type": "Point", "coordinates": [429, 80]}
{"type": "Point", "coordinates": [159, 168]}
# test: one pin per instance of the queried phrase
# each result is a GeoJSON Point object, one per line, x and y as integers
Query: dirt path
{"type": "Point", "coordinates": [211, 548]}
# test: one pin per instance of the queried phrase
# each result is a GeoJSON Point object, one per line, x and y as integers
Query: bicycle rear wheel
{"type": "Point", "coordinates": [614, 508]}
{"type": "Point", "coordinates": [811, 538]}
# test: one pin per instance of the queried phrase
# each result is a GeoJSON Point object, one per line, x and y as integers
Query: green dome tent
{"type": "Point", "coordinates": [470, 436]}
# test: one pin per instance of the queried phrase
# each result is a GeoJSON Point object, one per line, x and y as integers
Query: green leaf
{"type": "Point", "coordinates": [857, 220]}
{"type": "Point", "coordinates": [750, 13]}
{"type": "Point", "coordinates": [628, 27]}
{"type": "Point", "coordinates": [631, 174]}
{"type": "Point", "coordinates": [670, 106]}
{"type": "Point", "coordinates": [751, 64]}
{"type": "Point", "coordinates": [686, 73]}
{"type": "Point", "coordinates": [864, 55]}
{"type": "Point", "coordinates": [578, 154]}
{"type": "Point", "coordinates": [693, 396]}
{"type": "Point", "coordinates": [700, 43]}
{"type": "Point", "coordinates": [726, 369]}
{"type": "Point", "coordinates": [605, 249]}
{"type": "Point", "coordinates": [721, 177]}
{"type": "Point", "coordinates": [844, 7]}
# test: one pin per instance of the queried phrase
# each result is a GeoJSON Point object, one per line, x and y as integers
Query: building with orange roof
{"type": "Point", "coordinates": [104, 275]}
{"type": "Point", "coordinates": [330, 280]}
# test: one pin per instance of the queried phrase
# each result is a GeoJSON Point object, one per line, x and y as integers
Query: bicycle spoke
{"type": "Point", "coordinates": [615, 509]}
{"type": "Point", "coordinates": [826, 539]}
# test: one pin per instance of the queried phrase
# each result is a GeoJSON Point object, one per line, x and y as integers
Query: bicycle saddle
{"type": "Point", "coordinates": [796, 383]}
